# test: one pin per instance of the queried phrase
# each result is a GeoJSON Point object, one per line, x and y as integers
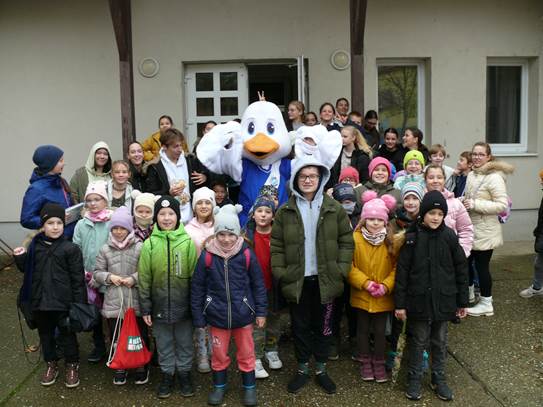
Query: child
{"type": "Point", "coordinates": [119, 187]}
{"type": "Point", "coordinates": [311, 119]}
{"type": "Point", "coordinates": [221, 193]}
{"type": "Point", "coordinates": [270, 192]}
{"type": "Point", "coordinates": [258, 232]}
{"type": "Point", "coordinates": [53, 279]}
{"type": "Point", "coordinates": [345, 194]}
{"type": "Point", "coordinates": [90, 234]}
{"type": "Point", "coordinates": [437, 156]}
{"type": "Point", "coordinates": [463, 167]}
{"type": "Point", "coordinates": [372, 281]}
{"type": "Point", "coordinates": [151, 145]}
{"type": "Point", "coordinates": [227, 294]}
{"type": "Point", "coordinates": [406, 215]}
{"type": "Point", "coordinates": [144, 204]}
{"type": "Point", "coordinates": [116, 269]}
{"type": "Point", "coordinates": [431, 289]}
{"type": "Point", "coordinates": [380, 171]}
{"type": "Point", "coordinates": [391, 149]}
{"type": "Point", "coordinates": [413, 164]}
{"type": "Point", "coordinates": [165, 268]}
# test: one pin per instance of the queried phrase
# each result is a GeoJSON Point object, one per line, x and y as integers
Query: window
{"type": "Point", "coordinates": [401, 94]}
{"type": "Point", "coordinates": [507, 105]}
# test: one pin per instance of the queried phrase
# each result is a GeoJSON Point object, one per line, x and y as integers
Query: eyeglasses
{"type": "Point", "coordinates": [311, 177]}
{"type": "Point", "coordinates": [93, 201]}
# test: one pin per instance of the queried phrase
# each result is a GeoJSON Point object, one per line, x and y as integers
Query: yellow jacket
{"type": "Point", "coordinates": [372, 263]}
{"type": "Point", "coordinates": [151, 146]}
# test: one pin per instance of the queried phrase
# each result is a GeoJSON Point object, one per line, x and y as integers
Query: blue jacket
{"type": "Point", "coordinates": [226, 294]}
{"type": "Point", "coordinates": [43, 189]}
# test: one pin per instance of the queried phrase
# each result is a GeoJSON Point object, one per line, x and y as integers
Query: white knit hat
{"type": "Point", "coordinates": [203, 193]}
{"type": "Point", "coordinates": [98, 188]}
{"type": "Point", "coordinates": [144, 199]}
{"type": "Point", "coordinates": [226, 219]}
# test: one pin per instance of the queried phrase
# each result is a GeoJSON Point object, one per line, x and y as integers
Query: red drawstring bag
{"type": "Point", "coordinates": [129, 352]}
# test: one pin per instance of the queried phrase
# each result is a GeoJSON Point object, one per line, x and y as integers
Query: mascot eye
{"type": "Point", "coordinates": [271, 128]}
{"type": "Point", "coordinates": [251, 128]}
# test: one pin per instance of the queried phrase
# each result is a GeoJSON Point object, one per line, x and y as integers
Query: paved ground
{"type": "Point", "coordinates": [494, 361]}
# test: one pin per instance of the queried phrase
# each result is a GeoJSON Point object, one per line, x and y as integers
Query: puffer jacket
{"type": "Point", "coordinates": [122, 263]}
{"type": "Point", "coordinates": [227, 294]}
{"type": "Point", "coordinates": [165, 268]}
{"type": "Point", "coordinates": [458, 220]}
{"type": "Point", "coordinates": [333, 243]}
{"type": "Point", "coordinates": [151, 146]}
{"type": "Point", "coordinates": [380, 190]}
{"type": "Point", "coordinates": [90, 237]}
{"type": "Point", "coordinates": [486, 187]}
{"type": "Point", "coordinates": [199, 232]}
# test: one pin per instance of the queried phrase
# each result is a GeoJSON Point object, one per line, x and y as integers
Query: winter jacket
{"type": "Point", "coordinates": [157, 180]}
{"type": "Point", "coordinates": [151, 146]}
{"type": "Point", "coordinates": [165, 268]}
{"type": "Point", "coordinates": [227, 294]}
{"type": "Point", "coordinates": [431, 274]}
{"type": "Point", "coordinates": [381, 190]}
{"type": "Point", "coordinates": [359, 160]}
{"type": "Point", "coordinates": [199, 232]}
{"type": "Point", "coordinates": [86, 174]}
{"type": "Point", "coordinates": [458, 220]}
{"type": "Point", "coordinates": [372, 263]}
{"type": "Point", "coordinates": [58, 278]}
{"type": "Point", "coordinates": [43, 189]}
{"type": "Point", "coordinates": [127, 196]}
{"type": "Point", "coordinates": [538, 231]}
{"type": "Point", "coordinates": [137, 178]}
{"type": "Point", "coordinates": [373, 138]}
{"type": "Point", "coordinates": [90, 237]}
{"type": "Point", "coordinates": [395, 157]}
{"type": "Point", "coordinates": [486, 186]}
{"type": "Point", "coordinates": [123, 263]}
{"type": "Point", "coordinates": [401, 221]}
{"type": "Point", "coordinates": [333, 244]}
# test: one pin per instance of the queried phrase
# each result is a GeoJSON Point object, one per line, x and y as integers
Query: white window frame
{"type": "Point", "coordinates": [421, 84]}
{"type": "Point", "coordinates": [522, 146]}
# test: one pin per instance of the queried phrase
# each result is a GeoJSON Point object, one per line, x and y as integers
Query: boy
{"type": "Point", "coordinates": [463, 167]}
{"type": "Point", "coordinates": [431, 289]}
{"type": "Point", "coordinates": [437, 156]}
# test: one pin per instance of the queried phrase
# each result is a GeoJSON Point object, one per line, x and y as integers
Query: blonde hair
{"type": "Point", "coordinates": [120, 162]}
{"type": "Point", "coordinates": [359, 140]}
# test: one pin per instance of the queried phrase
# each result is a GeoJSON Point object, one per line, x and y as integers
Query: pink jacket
{"type": "Point", "coordinates": [458, 220]}
{"type": "Point", "coordinates": [199, 232]}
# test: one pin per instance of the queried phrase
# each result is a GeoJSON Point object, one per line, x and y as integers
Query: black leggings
{"type": "Point", "coordinates": [379, 321]}
{"type": "Point", "coordinates": [479, 261]}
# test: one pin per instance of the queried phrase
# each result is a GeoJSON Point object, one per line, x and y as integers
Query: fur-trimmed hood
{"type": "Point", "coordinates": [495, 166]}
{"type": "Point", "coordinates": [395, 242]}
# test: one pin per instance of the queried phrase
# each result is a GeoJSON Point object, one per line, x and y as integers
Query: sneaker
{"type": "Point", "coordinates": [203, 365]}
{"type": "Point", "coordinates": [442, 390]}
{"type": "Point", "coordinates": [141, 375]}
{"type": "Point", "coordinates": [379, 370]}
{"type": "Point", "coordinates": [484, 307]}
{"type": "Point", "coordinates": [325, 382]}
{"type": "Point", "coordinates": [297, 382]}
{"type": "Point", "coordinates": [530, 292]}
{"type": "Point", "coordinates": [50, 375]}
{"type": "Point", "coordinates": [96, 355]}
{"type": "Point", "coordinates": [414, 389]}
{"type": "Point", "coordinates": [273, 360]}
{"type": "Point", "coordinates": [260, 372]}
{"type": "Point", "coordinates": [366, 368]}
{"type": "Point", "coordinates": [72, 375]}
{"type": "Point", "coordinates": [119, 378]}
{"type": "Point", "coordinates": [165, 387]}
{"type": "Point", "coordinates": [185, 384]}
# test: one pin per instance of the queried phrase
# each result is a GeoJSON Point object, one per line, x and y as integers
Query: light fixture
{"type": "Point", "coordinates": [148, 67]}
{"type": "Point", "coordinates": [340, 59]}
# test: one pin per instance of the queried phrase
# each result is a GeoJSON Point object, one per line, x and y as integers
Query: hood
{"type": "Point", "coordinates": [304, 161]}
{"type": "Point", "coordinates": [49, 178]}
{"type": "Point", "coordinates": [447, 194]}
{"type": "Point", "coordinates": [90, 159]}
{"type": "Point", "coordinates": [495, 166]}
{"type": "Point", "coordinates": [203, 226]}
{"type": "Point", "coordinates": [178, 233]}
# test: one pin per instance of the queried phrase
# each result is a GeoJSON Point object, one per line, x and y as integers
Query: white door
{"type": "Point", "coordinates": [217, 92]}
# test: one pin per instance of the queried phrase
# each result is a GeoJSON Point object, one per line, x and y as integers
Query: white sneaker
{"type": "Point", "coordinates": [203, 364]}
{"type": "Point", "coordinates": [260, 372]}
{"type": "Point", "coordinates": [530, 292]}
{"type": "Point", "coordinates": [471, 294]}
{"type": "Point", "coordinates": [273, 360]}
{"type": "Point", "coordinates": [483, 307]}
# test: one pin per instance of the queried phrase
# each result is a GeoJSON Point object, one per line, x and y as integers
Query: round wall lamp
{"type": "Point", "coordinates": [340, 59]}
{"type": "Point", "coordinates": [148, 67]}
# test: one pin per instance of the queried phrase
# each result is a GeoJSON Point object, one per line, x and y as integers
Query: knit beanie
{"type": "Point", "coordinates": [264, 201]}
{"type": "Point", "coordinates": [143, 199]}
{"type": "Point", "coordinates": [433, 200]}
{"type": "Point", "coordinates": [413, 188]}
{"type": "Point", "coordinates": [226, 219]}
{"type": "Point", "coordinates": [343, 192]}
{"type": "Point", "coordinates": [121, 217]}
{"type": "Point", "coordinates": [269, 191]}
{"type": "Point", "coordinates": [379, 161]}
{"type": "Point", "coordinates": [349, 172]}
{"type": "Point", "coordinates": [413, 155]}
{"type": "Point", "coordinates": [98, 188]}
{"type": "Point", "coordinates": [167, 201]}
{"type": "Point", "coordinates": [203, 193]}
{"type": "Point", "coordinates": [46, 157]}
{"type": "Point", "coordinates": [375, 207]}
{"type": "Point", "coordinates": [52, 210]}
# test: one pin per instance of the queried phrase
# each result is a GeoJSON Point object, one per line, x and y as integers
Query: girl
{"type": "Point", "coordinates": [391, 149]}
{"type": "Point", "coordinates": [221, 193]}
{"type": "Point", "coordinates": [295, 112]}
{"type": "Point", "coordinates": [372, 281]}
{"type": "Point", "coordinates": [327, 114]}
{"type": "Point", "coordinates": [413, 163]}
{"type": "Point", "coordinates": [135, 160]}
{"type": "Point", "coordinates": [151, 145]}
{"type": "Point", "coordinates": [412, 140]}
{"type": "Point", "coordinates": [90, 234]}
{"type": "Point", "coordinates": [437, 156]}
{"type": "Point", "coordinates": [53, 279]}
{"type": "Point", "coordinates": [117, 270]}
{"type": "Point", "coordinates": [227, 294]}
{"type": "Point", "coordinates": [370, 129]}
{"type": "Point", "coordinates": [205, 129]}
{"type": "Point", "coordinates": [311, 119]}
{"type": "Point", "coordinates": [97, 168]}
{"type": "Point", "coordinates": [485, 197]}
{"type": "Point", "coordinates": [407, 213]}
{"type": "Point", "coordinates": [144, 204]}
{"type": "Point", "coordinates": [460, 176]}
{"type": "Point", "coordinates": [165, 268]}
{"type": "Point", "coordinates": [379, 170]}
{"type": "Point", "coordinates": [119, 189]}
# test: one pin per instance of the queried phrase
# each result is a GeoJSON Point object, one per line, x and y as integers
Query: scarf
{"type": "Point", "coordinates": [142, 233]}
{"type": "Point", "coordinates": [214, 247]}
{"type": "Point", "coordinates": [121, 245]}
{"type": "Point", "coordinates": [374, 239]}
{"type": "Point", "coordinates": [143, 222]}
{"type": "Point", "coordinates": [101, 216]}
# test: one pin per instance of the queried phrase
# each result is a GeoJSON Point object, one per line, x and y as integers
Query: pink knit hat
{"type": "Point", "coordinates": [98, 188]}
{"type": "Point", "coordinates": [377, 208]}
{"type": "Point", "coordinates": [378, 161]}
{"type": "Point", "coordinates": [349, 172]}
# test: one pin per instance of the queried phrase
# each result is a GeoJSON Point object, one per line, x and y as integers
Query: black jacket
{"type": "Point", "coordinates": [431, 274]}
{"type": "Point", "coordinates": [58, 276]}
{"type": "Point", "coordinates": [395, 157]}
{"type": "Point", "coordinates": [137, 179]}
{"type": "Point", "coordinates": [359, 160]}
{"type": "Point", "coordinates": [538, 231]}
{"type": "Point", "coordinates": [157, 180]}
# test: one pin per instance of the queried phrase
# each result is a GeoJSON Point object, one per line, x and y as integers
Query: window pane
{"type": "Point", "coordinates": [503, 84]}
{"type": "Point", "coordinates": [204, 81]}
{"type": "Point", "coordinates": [229, 106]}
{"type": "Point", "coordinates": [398, 97]}
{"type": "Point", "coordinates": [204, 106]}
{"type": "Point", "coordinates": [229, 80]}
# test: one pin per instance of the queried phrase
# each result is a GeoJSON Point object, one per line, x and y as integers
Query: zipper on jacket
{"type": "Point", "coordinates": [169, 284]}
{"type": "Point", "coordinates": [246, 301]}
{"type": "Point", "coordinates": [227, 286]}
{"type": "Point", "coordinates": [208, 302]}
{"type": "Point", "coordinates": [177, 265]}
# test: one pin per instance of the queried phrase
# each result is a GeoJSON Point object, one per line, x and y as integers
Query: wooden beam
{"type": "Point", "coordinates": [357, 17]}
{"type": "Point", "coordinates": [122, 25]}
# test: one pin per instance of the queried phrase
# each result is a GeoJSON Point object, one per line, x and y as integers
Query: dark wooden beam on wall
{"type": "Point", "coordinates": [122, 25]}
{"type": "Point", "coordinates": [357, 16]}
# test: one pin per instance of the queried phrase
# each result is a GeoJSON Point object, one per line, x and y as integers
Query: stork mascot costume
{"type": "Point", "coordinates": [254, 153]}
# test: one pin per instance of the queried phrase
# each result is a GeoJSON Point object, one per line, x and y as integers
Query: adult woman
{"type": "Point", "coordinates": [391, 149]}
{"type": "Point", "coordinates": [379, 170]}
{"type": "Point", "coordinates": [412, 140]}
{"type": "Point", "coordinates": [46, 185]}
{"type": "Point", "coordinates": [295, 112]}
{"type": "Point", "coordinates": [151, 145]}
{"type": "Point", "coordinates": [369, 129]}
{"type": "Point", "coordinates": [327, 114]}
{"type": "Point", "coordinates": [135, 161]}
{"type": "Point", "coordinates": [484, 198]}
{"type": "Point", "coordinates": [97, 168]}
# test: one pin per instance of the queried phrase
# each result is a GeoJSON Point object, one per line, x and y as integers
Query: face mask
{"type": "Point", "coordinates": [143, 222]}
{"type": "Point", "coordinates": [349, 207]}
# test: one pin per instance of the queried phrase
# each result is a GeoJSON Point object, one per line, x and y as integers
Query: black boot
{"type": "Point", "coordinates": [215, 398]}
{"type": "Point", "coordinates": [165, 387]}
{"type": "Point", "coordinates": [185, 384]}
{"type": "Point", "coordinates": [249, 388]}
{"type": "Point", "coordinates": [439, 385]}
{"type": "Point", "coordinates": [99, 351]}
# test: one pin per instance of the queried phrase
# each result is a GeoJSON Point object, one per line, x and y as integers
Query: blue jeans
{"type": "Point", "coordinates": [538, 271]}
{"type": "Point", "coordinates": [422, 332]}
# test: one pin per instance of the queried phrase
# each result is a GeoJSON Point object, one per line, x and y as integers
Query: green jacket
{"type": "Point", "coordinates": [165, 268]}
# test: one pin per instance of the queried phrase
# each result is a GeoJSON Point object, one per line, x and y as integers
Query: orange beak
{"type": "Point", "coordinates": [261, 145]}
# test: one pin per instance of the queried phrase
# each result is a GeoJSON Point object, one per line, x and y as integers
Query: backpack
{"type": "Point", "coordinates": [246, 253]}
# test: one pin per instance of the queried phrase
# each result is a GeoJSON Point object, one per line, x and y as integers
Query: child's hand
{"type": "Point", "coordinates": [370, 286]}
{"type": "Point", "coordinates": [260, 322]}
{"type": "Point", "coordinates": [115, 280]}
{"type": "Point", "coordinates": [18, 251]}
{"type": "Point", "coordinates": [147, 320]}
{"type": "Point", "coordinates": [379, 291]}
{"type": "Point", "coordinates": [461, 312]}
{"type": "Point", "coordinates": [468, 204]}
{"type": "Point", "coordinates": [400, 314]}
{"type": "Point", "coordinates": [128, 282]}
